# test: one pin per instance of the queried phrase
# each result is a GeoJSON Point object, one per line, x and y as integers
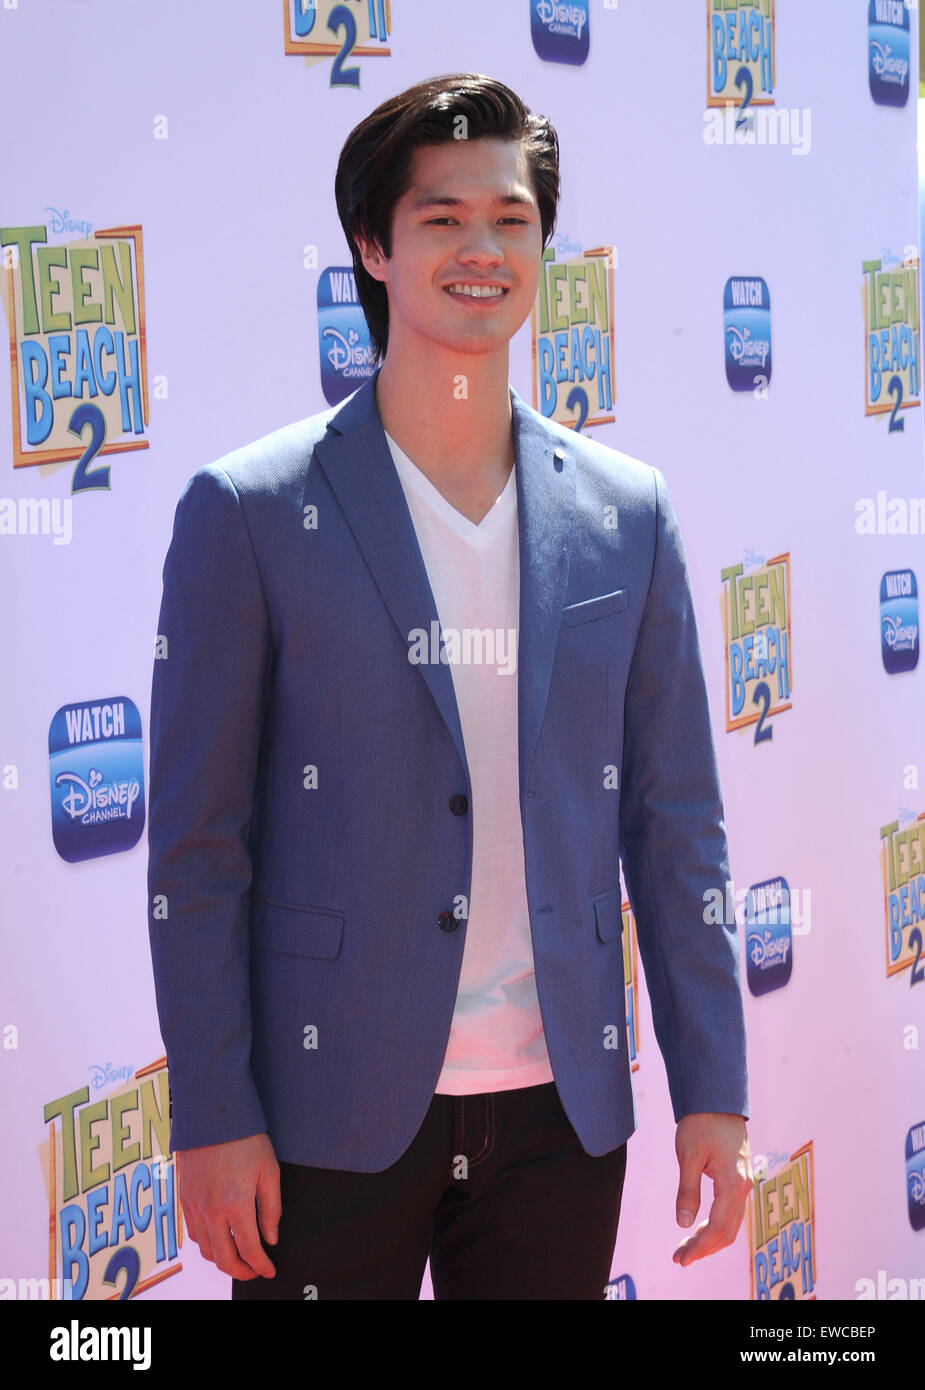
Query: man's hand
{"type": "Point", "coordinates": [718, 1146]}
{"type": "Point", "coordinates": [218, 1187]}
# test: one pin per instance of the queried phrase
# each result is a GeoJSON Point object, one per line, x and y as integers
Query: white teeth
{"type": "Point", "coordinates": [478, 291]}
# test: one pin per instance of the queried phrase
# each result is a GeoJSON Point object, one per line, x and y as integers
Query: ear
{"type": "Point", "coordinates": [372, 258]}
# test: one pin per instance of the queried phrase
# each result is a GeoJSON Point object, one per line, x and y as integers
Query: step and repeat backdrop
{"type": "Point", "coordinates": [733, 294]}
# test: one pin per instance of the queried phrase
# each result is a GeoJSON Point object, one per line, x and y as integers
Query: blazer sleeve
{"type": "Point", "coordinates": [210, 679]}
{"type": "Point", "coordinates": [673, 844]}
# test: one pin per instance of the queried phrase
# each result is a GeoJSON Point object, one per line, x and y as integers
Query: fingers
{"type": "Point", "coordinates": [229, 1249]}
{"type": "Point", "coordinates": [713, 1234]}
{"type": "Point", "coordinates": [688, 1203]}
{"type": "Point", "coordinates": [269, 1205]}
{"type": "Point", "coordinates": [722, 1227]}
{"type": "Point", "coordinates": [232, 1246]}
{"type": "Point", "coordinates": [715, 1144]}
{"type": "Point", "coordinates": [248, 1247]}
{"type": "Point", "coordinates": [221, 1187]}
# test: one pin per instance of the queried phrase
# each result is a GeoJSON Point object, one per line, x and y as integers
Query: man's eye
{"type": "Point", "coordinates": [439, 221]}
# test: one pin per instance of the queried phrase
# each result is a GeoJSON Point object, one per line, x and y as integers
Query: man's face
{"type": "Point", "coordinates": [470, 218]}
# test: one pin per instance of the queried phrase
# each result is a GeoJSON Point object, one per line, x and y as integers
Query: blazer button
{"type": "Point", "coordinates": [447, 921]}
{"type": "Point", "coordinates": [459, 805]}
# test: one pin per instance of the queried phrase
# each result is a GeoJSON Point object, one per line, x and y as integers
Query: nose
{"type": "Point", "coordinates": [481, 246]}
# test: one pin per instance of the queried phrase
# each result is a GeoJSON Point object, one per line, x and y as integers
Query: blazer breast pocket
{"type": "Point", "coordinates": [590, 608]}
{"type": "Point", "coordinates": [295, 930]}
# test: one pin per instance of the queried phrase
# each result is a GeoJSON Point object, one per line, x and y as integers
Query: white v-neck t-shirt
{"type": "Point", "coordinates": [496, 1038]}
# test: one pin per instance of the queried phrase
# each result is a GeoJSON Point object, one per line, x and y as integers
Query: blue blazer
{"type": "Point", "coordinates": [307, 856]}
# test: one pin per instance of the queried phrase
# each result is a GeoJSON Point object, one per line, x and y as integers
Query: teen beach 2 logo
{"type": "Point", "coordinates": [781, 1229]}
{"type": "Point", "coordinates": [114, 1223]}
{"type": "Point", "coordinates": [358, 30]}
{"type": "Point", "coordinates": [902, 865]}
{"type": "Point", "coordinates": [756, 615]}
{"type": "Point", "coordinates": [740, 45]}
{"type": "Point", "coordinates": [890, 294]}
{"type": "Point", "coordinates": [571, 329]}
{"type": "Point", "coordinates": [76, 317]}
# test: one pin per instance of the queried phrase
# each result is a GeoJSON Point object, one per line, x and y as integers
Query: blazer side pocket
{"type": "Point", "coordinates": [608, 914]}
{"type": "Point", "coordinates": [600, 607]}
{"type": "Point", "coordinates": [295, 930]}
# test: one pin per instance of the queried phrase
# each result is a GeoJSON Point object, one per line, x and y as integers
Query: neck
{"type": "Point", "coordinates": [448, 411]}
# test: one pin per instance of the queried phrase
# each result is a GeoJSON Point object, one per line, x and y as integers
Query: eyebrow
{"type": "Point", "coordinates": [446, 200]}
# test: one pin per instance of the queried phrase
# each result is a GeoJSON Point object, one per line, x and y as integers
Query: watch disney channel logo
{"type": "Point", "coordinates": [747, 332]}
{"type": "Point", "coordinates": [344, 347]}
{"type": "Point", "coordinates": [915, 1175]}
{"type": "Point", "coordinates": [97, 778]}
{"type": "Point", "coordinates": [768, 935]}
{"type": "Point", "coordinates": [561, 30]}
{"type": "Point", "coordinates": [899, 621]}
{"type": "Point", "coordinates": [888, 52]}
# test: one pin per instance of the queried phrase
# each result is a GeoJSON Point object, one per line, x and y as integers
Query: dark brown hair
{"type": "Point", "coordinates": [374, 168]}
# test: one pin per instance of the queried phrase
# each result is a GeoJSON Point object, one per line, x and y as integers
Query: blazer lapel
{"type": "Point", "coordinates": [358, 464]}
{"type": "Point", "coordinates": [545, 523]}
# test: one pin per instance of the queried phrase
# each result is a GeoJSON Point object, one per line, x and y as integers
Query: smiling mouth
{"type": "Point", "coordinates": [461, 290]}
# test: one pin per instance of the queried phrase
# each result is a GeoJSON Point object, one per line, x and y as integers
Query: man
{"type": "Point", "coordinates": [418, 698]}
